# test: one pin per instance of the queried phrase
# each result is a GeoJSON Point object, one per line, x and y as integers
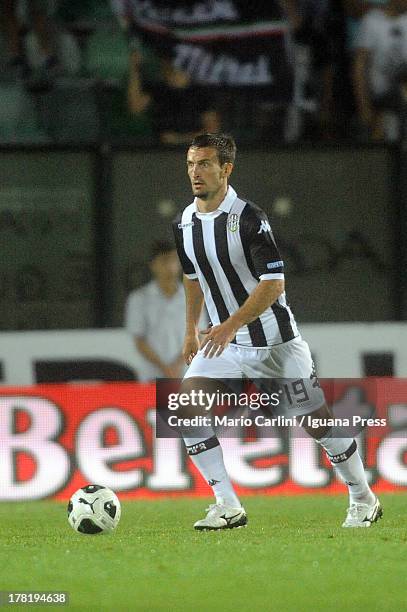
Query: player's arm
{"type": "Point", "coordinates": [263, 296]}
{"type": "Point", "coordinates": [194, 300]}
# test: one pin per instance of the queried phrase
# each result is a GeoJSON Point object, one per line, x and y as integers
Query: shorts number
{"type": "Point", "coordinates": [298, 392]}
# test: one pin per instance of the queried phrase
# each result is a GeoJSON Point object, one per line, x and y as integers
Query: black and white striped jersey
{"type": "Point", "coordinates": [230, 250]}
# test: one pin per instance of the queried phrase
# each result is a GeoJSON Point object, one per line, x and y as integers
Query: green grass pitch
{"type": "Point", "coordinates": [292, 556]}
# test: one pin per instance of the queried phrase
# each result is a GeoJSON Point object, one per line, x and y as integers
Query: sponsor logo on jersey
{"type": "Point", "coordinates": [184, 225]}
{"type": "Point", "coordinates": [264, 227]}
{"type": "Point", "coordinates": [275, 264]}
{"type": "Point", "coordinates": [233, 222]}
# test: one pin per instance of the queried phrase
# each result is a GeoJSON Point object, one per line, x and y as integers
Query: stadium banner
{"type": "Point", "coordinates": [57, 438]}
{"type": "Point", "coordinates": [229, 43]}
{"type": "Point", "coordinates": [32, 357]}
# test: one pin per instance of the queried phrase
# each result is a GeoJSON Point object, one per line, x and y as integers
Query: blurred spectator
{"type": "Point", "coordinates": [380, 69]}
{"type": "Point", "coordinates": [316, 43]}
{"type": "Point", "coordinates": [177, 109]}
{"type": "Point", "coordinates": [155, 316]}
{"type": "Point", "coordinates": [346, 16]}
{"type": "Point", "coordinates": [355, 10]}
{"type": "Point", "coordinates": [37, 14]}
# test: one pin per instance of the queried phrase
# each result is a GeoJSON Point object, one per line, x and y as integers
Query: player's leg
{"type": "Point", "coordinates": [290, 361]}
{"type": "Point", "coordinates": [364, 507]}
{"type": "Point", "coordinates": [202, 444]}
{"type": "Point", "coordinates": [341, 449]}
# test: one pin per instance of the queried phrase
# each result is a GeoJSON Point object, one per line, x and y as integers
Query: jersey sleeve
{"type": "Point", "coordinates": [186, 264]}
{"type": "Point", "coordinates": [262, 254]}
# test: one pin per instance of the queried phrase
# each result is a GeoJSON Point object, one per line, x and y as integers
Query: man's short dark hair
{"type": "Point", "coordinates": [161, 247]}
{"type": "Point", "coordinates": [223, 143]}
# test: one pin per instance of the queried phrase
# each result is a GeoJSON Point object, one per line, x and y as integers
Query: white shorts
{"type": "Point", "coordinates": [291, 361]}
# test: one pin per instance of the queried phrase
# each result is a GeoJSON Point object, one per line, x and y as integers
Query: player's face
{"type": "Point", "coordinates": [206, 174]}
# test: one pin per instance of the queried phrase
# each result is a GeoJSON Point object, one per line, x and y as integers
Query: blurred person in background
{"type": "Point", "coordinates": [316, 45]}
{"type": "Point", "coordinates": [349, 14]}
{"type": "Point", "coordinates": [155, 316]}
{"type": "Point", "coordinates": [178, 109]}
{"type": "Point", "coordinates": [355, 10]}
{"type": "Point", "coordinates": [38, 16]}
{"type": "Point", "coordinates": [380, 70]}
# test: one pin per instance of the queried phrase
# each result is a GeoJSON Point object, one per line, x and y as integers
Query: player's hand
{"type": "Point", "coordinates": [190, 348]}
{"type": "Point", "coordinates": [217, 338]}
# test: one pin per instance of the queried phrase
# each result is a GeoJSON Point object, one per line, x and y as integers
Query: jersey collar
{"type": "Point", "coordinates": [226, 203]}
{"type": "Point", "coordinates": [230, 197]}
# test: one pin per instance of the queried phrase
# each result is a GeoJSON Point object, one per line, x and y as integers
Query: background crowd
{"type": "Point", "coordinates": [84, 71]}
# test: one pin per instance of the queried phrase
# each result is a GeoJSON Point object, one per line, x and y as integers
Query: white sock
{"type": "Point", "coordinates": [345, 459]}
{"type": "Point", "coordinates": [207, 456]}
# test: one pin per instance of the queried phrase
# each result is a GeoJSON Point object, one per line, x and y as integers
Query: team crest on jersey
{"type": "Point", "coordinates": [233, 222]}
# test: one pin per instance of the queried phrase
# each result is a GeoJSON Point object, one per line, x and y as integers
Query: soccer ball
{"type": "Point", "coordinates": [94, 509]}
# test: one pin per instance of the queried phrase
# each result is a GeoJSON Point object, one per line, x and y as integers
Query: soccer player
{"type": "Point", "coordinates": [230, 261]}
